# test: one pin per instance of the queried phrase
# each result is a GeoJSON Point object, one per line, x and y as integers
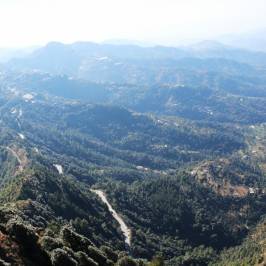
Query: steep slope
{"type": "Point", "coordinates": [42, 211]}
{"type": "Point", "coordinates": [159, 173]}
{"type": "Point", "coordinates": [251, 252]}
{"type": "Point", "coordinates": [181, 215]}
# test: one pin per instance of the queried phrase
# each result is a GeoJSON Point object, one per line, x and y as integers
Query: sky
{"type": "Point", "coordinates": [168, 22]}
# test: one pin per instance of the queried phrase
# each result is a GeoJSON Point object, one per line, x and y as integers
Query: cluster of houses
{"type": "Point", "coordinates": [252, 190]}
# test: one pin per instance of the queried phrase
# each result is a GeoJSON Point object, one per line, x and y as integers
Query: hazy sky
{"type": "Point", "coordinates": [29, 22]}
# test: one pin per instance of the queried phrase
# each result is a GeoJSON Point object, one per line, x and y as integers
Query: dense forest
{"type": "Point", "coordinates": [174, 141]}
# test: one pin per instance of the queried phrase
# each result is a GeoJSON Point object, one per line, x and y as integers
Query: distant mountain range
{"type": "Point", "coordinates": [173, 138]}
{"type": "Point", "coordinates": [8, 53]}
{"type": "Point", "coordinates": [131, 64]}
{"type": "Point", "coordinates": [254, 40]}
{"type": "Point", "coordinates": [251, 41]}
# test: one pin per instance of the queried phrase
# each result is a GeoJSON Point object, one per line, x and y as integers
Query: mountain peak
{"type": "Point", "coordinates": [208, 45]}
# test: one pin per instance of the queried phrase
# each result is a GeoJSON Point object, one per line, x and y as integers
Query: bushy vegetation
{"type": "Point", "coordinates": [175, 210]}
{"type": "Point", "coordinates": [184, 167]}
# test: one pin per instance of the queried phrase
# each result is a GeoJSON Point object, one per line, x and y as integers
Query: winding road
{"type": "Point", "coordinates": [124, 228]}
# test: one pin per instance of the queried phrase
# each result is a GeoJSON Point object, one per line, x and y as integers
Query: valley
{"type": "Point", "coordinates": [161, 160]}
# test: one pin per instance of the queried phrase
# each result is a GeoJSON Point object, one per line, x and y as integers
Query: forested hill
{"type": "Point", "coordinates": [137, 159]}
{"type": "Point", "coordinates": [218, 97]}
{"type": "Point", "coordinates": [174, 139]}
